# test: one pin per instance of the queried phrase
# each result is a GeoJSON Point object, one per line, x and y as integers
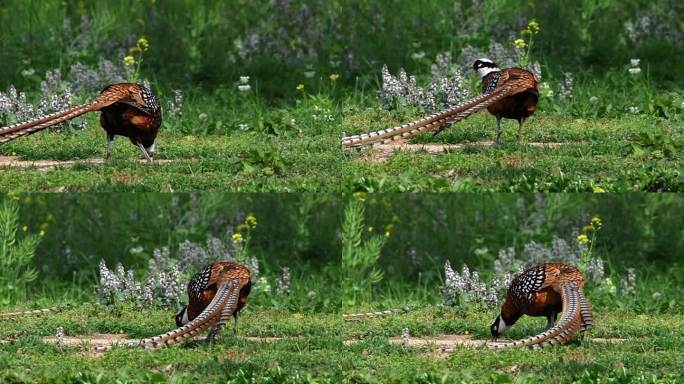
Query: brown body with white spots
{"type": "Point", "coordinates": [546, 290]}
{"type": "Point", "coordinates": [203, 286]}
{"type": "Point", "coordinates": [128, 109]}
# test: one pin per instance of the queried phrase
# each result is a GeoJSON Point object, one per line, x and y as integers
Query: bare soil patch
{"type": "Point", "coordinates": [381, 152]}
{"type": "Point", "coordinates": [47, 165]}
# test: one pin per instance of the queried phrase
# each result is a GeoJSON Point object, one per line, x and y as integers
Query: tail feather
{"type": "Point", "coordinates": [585, 312]}
{"type": "Point", "coordinates": [207, 318]}
{"type": "Point", "coordinates": [563, 331]}
{"type": "Point", "coordinates": [33, 312]}
{"type": "Point", "coordinates": [359, 316]}
{"type": "Point", "coordinates": [430, 123]}
{"type": "Point", "coordinates": [226, 313]}
{"type": "Point", "coordinates": [14, 131]}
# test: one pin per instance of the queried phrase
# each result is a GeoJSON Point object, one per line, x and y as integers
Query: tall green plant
{"type": "Point", "coordinates": [16, 256]}
{"type": "Point", "coordinates": [359, 256]}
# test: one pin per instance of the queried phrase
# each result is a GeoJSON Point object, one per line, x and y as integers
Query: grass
{"type": "Point", "coordinates": [313, 349]}
{"type": "Point", "coordinates": [297, 148]}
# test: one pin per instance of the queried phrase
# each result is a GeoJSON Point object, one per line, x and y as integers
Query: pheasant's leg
{"type": "Point", "coordinates": [144, 152]}
{"type": "Point", "coordinates": [498, 129]}
{"type": "Point", "coordinates": [520, 124]}
{"type": "Point", "coordinates": [235, 328]}
{"type": "Point", "coordinates": [551, 320]}
{"type": "Point", "coordinates": [108, 146]}
{"type": "Point", "coordinates": [214, 330]}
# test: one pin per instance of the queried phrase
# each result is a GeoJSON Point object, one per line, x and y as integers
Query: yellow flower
{"type": "Point", "coordinates": [143, 44]}
{"type": "Point", "coordinates": [41, 233]}
{"type": "Point", "coordinates": [251, 221]}
{"type": "Point", "coordinates": [533, 26]}
{"type": "Point", "coordinates": [520, 43]}
{"type": "Point", "coordinates": [370, 229]}
{"type": "Point", "coordinates": [360, 196]}
{"type": "Point", "coordinates": [388, 234]}
{"type": "Point", "coordinates": [334, 76]}
{"type": "Point", "coordinates": [237, 238]}
{"type": "Point", "coordinates": [596, 222]}
{"type": "Point", "coordinates": [24, 228]}
{"type": "Point", "coordinates": [599, 190]}
{"type": "Point", "coordinates": [129, 60]}
{"type": "Point", "coordinates": [582, 239]}
{"type": "Point", "coordinates": [300, 87]}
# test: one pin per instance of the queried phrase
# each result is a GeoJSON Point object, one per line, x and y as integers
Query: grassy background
{"type": "Point", "coordinates": [314, 351]}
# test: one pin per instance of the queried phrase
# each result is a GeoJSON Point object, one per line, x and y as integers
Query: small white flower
{"type": "Point", "coordinates": [244, 87]}
{"type": "Point", "coordinates": [634, 62]}
{"type": "Point", "coordinates": [593, 99]}
{"type": "Point", "coordinates": [657, 295]}
{"type": "Point", "coordinates": [549, 93]}
{"type": "Point", "coordinates": [309, 74]}
{"type": "Point", "coordinates": [405, 337]}
{"type": "Point", "coordinates": [203, 116]}
{"type": "Point", "coordinates": [243, 127]}
{"type": "Point", "coordinates": [634, 71]}
{"type": "Point", "coordinates": [244, 79]}
{"type": "Point", "coordinates": [311, 295]}
{"type": "Point", "coordinates": [633, 110]}
{"type": "Point", "coordinates": [136, 250]}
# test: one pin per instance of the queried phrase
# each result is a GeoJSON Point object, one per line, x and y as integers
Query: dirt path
{"type": "Point", "coordinates": [382, 152]}
{"type": "Point", "coordinates": [47, 165]}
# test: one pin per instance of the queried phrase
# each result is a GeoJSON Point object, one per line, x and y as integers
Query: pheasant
{"type": "Point", "coordinates": [215, 293]}
{"type": "Point", "coordinates": [510, 93]}
{"type": "Point", "coordinates": [128, 109]}
{"type": "Point", "coordinates": [545, 290]}
{"type": "Point", "coordinates": [204, 286]}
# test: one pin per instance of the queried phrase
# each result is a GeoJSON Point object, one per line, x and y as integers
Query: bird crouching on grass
{"type": "Point", "coordinates": [510, 93]}
{"type": "Point", "coordinates": [127, 109]}
{"type": "Point", "coordinates": [545, 290]}
{"type": "Point", "coordinates": [203, 288]}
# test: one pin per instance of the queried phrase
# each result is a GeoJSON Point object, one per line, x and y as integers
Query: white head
{"type": "Point", "coordinates": [485, 66]}
{"type": "Point", "coordinates": [498, 327]}
{"type": "Point", "coordinates": [182, 317]}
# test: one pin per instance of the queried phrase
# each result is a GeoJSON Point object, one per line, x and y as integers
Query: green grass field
{"type": "Point", "coordinates": [320, 347]}
{"type": "Point", "coordinates": [629, 153]}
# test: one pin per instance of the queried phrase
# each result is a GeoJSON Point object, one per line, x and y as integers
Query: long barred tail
{"type": "Point", "coordinates": [365, 315]}
{"type": "Point", "coordinates": [14, 131]}
{"type": "Point", "coordinates": [225, 295]}
{"type": "Point", "coordinates": [32, 312]}
{"type": "Point", "coordinates": [449, 116]}
{"type": "Point", "coordinates": [585, 312]}
{"type": "Point", "coordinates": [563, 331]}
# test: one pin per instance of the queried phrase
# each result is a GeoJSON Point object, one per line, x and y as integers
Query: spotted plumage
{"type": "Point", "coordinates": [509, 93]}
{"type": "Point", "coordinates": [524, 286]}
{"type": "Point", "coordinates": [545, 290]}
{"type": "Point", "coordinates": [203, 289]}
{"type": "Point", "coordinates": [127, 109]}
{"type": "Point", "coordinates": [199, 283]}
{"type": "Point", "coordinates": [490, 82]}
